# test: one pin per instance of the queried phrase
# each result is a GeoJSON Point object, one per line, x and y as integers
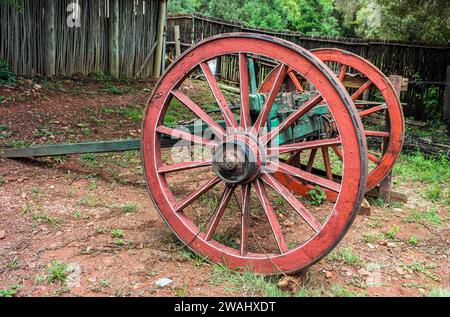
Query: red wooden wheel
{"type": "Point", "coordinates": [228, 206]}
{"type": "Point", "coordinates": [381, 160]}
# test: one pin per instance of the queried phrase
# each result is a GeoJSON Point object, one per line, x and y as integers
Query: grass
{"type": "Point", "coordinates": [347, 256]}
{"type": "Point", "coordinates": [57, 272]}
{"type": "Point", "coordinates": [128, 207]}
{"type": "Point", "coordinates": [423, 268]}
{"type": "Point", "coordinates": [255, 285]}
{"type": "Point", "coordinates": [90, 160]}
{"type": "Point", "coordinates": [115, 90]}
{"type": "Point", "coordinates": [439, 292]}
{"type": "Point", "coordinates": [9, 292]}
{"type": "Point", "coordinates": [392, 233]}
{"type": "Point", "coordinates": [13, 264]}
{"type": "Point", "coordinates": [227, 239]}
{"type": "Point", "coordinates": [433, 172]}
{"type": "Point", "coordinates": [370, 237]}
{"type": "Point", "coordinates": [119, 242]}
{"type": "Point", "coordinates": [197, 258]}
{"type": "Point", "coordinates": [430, 217]}
{"type": "Point", "coordinates": [247, 282]}
{"type": "Point", "coordinates": [413, 240]}
{"type": "Point", "coordinates": [339, 291]}
{"type": "Point", "coordinates": [90, 201]}
{"type": "Point", "coordinates": [44, 218]}
{"type": "Point", "coordinates": [117, 233]}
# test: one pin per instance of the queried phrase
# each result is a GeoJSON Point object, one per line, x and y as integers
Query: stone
{"type": "Point", "coordinates": [2, 234]}
{"type": "Point", "coordinates": [391, 244]}
{"type": "Point", "coordinates": [365, 208]}
{"type": "Point", "coordinates": [363, 272]}
{"type": "Point", "coordinates": [328, 274]}
{"type": "Point", "coordinates": [371, 246]}
{"type": "Point", "coordinates": [383, 242]}
{"type": "Point", "coordinates": [73, 275]}
{"type": "Point", "coordinates": [400, 271]}
{"type": "Point", "coordinates": [291, 283]}
{"type": "Point", "coordinates": [162, 282]}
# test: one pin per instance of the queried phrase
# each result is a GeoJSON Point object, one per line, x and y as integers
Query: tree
{"type": "Point", "coordinates": [415, 20]}
{"type": "Point", "coordinates": [13, 3]}
{"type": "Point", "coordinates": [312, 17]}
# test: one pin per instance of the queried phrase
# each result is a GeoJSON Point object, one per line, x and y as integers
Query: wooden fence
{"type": "Point", "coordinates": [85, 49]}
{"type": "Point", "coordinates": [424, 65]}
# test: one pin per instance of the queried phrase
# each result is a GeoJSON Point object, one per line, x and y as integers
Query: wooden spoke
{"type": "Point", "coordinates": [373, 158]}
{"type": "Point", "coordinates": [218, 213]}
{"type": "Point", "coordinates": [199, 112]}
{"type": "Point", "coordinates": [267, 107]}
{"type": "Point", "coordinates": [183, 166]}
{"type": "Point", "coordinates": [228, 116]}
{"type": "Point", "coordinates": [296, 172]}
{"type": "Point", "coordinates": [293, 117]}
{"type": "Point", "coordinates": [327, 163]}
{"type": "Point", "coordinates": [245, 102]}
{"type": "Point", "coordinates": [245, 217]}
{"type": "Point", "coordinates": [380, 134]}
{"type": "Point", "coordinates": [301, 146]}
{"type": "Point", "coordinates": [294, 160]}
{"type": "Point", "coordinates": [271, 216]}
{"type": "Point", "coordinates": [195, 195]}
{"type": "Point", "coordinates": [293, 201]}
{"type": "Point", "coordinates": [175, 133]}
{"type": "Point", "coordinates": [342, 72]}
{"type": "Point", "coordinates": [369, 111]}
{"type": "Point", "coordinates": [312, 157]}
{"type": "Point", "coordinates": [361, 90]}
{"type": "Point", "coordinates": [338, 152]}
{"type": "Point", "coordinates": [295, 80]}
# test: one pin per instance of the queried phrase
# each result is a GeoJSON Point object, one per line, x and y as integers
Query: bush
{"type": "Point", "coordinates": [7, 77]}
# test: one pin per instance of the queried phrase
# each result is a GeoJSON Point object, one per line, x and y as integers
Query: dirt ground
{"type": "Point", "coordinates": [92, 216]}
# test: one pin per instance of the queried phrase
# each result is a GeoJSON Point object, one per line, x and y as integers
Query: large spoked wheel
{"type": "Point", "coordinates": [226, 204]}
{"type": "Point", "coordinates": [382, 119]}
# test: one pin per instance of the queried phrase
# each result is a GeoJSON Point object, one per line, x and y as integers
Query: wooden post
{"type": "Point", "coordinates": [177, 40]}
{"type": "Point", "coordinates": [446, 105]}
{"type": "Point", "coordinates": [49, 38]}
{"type": "Point", "coordinates": [114, 64]}
{"type": "Point", "coordinates": [386, 184]}
{"type": "Point", "coordinates": [160, 38]}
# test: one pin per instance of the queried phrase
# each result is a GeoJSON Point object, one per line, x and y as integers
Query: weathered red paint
{"type": "Point", "coordinates": [349, 193]}
{"type": "Point", "coordinates": [393, 107]}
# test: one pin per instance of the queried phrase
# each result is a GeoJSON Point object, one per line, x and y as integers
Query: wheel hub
{"type": "Point", "coordinates": [237, 159]}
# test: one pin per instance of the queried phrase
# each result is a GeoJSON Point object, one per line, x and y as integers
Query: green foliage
{"type": "Point", "coordinates": [112, 89]}
{"type": "Point", "coordinates": [347, 256]}
{"type": "Point", "coordinates": [317, 196]}
{"type": "Point", "coordinates": [10, 292]}
{"type": "Point", "coordinates": [413, 240]}
{"type": "Point", "coordinates": [431, 217]}
{"type": "Point", "coordinates": [310, 17]}
{"type": "Point", "coordinates": [117, 233]}
{"type": "Point", "coordinates": [392, 233]}
{"type": "Point", "coordinates": [439, 292]}
{"type": "Point", "coordinates": [17, 4]}
{"type": "Point", "coordinates": [57, 271]}
{"type": "Point", "coordinates": [417, 168]}
{"type": "Point", "coordinates": [7, 77]}
{"type": "Point", "coordinates": [401, 20]}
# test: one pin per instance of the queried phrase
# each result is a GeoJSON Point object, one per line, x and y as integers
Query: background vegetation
{"type": "Point", "coordinates": [400, 20]}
